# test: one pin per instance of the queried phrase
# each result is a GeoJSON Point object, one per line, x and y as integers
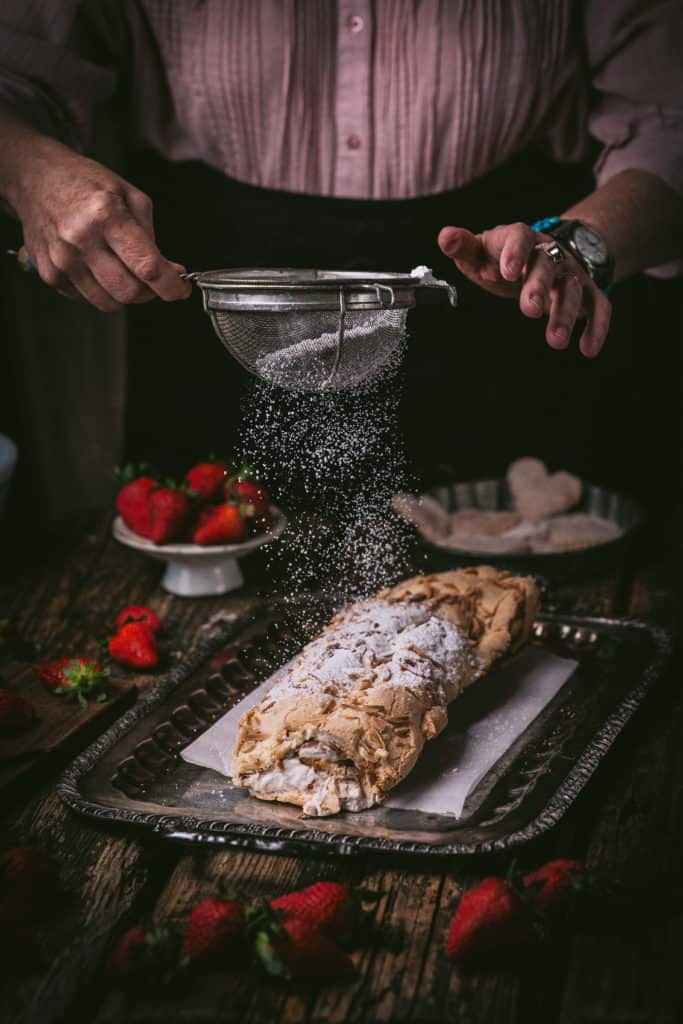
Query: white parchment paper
{"type": "Point", "coordinates": [482, 725]}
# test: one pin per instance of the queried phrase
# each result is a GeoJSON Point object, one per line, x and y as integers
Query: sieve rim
{"type": "Point", "coordinates": [297, 278]}
{"type": "Point", "coordinates": [286, 291]}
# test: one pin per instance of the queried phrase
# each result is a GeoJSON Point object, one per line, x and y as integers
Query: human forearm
{"type": "Point", "coordinates": [22, 151]}
{"type": "Point", "coordinates": [639, 216]}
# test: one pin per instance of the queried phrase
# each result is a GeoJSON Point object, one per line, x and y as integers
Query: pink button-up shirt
{"type": "Point", "coordinates": [358, 98]}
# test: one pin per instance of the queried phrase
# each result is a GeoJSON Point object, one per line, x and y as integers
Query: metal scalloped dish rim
{"type": "Point", "coordinates": [550, 562]}
{"type": "Point", "coordinates": [312, 841]}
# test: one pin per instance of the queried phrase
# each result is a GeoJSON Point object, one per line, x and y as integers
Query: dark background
{"type": "Point", "coordinates": [480, 386]}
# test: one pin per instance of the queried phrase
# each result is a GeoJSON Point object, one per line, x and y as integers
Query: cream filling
{"type": "Point", "coordinates": [324, 793]}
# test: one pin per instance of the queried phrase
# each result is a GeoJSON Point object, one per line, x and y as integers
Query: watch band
{"type": "Point", "coordinates": [545, 223]}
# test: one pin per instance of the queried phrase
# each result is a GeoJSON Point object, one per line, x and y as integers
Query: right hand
{"type": "Point", "coordinates": [90, 234]}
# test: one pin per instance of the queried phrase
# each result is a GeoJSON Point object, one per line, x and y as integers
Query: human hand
{"type": "Point", "coordinates": [509, 261]}
{"type": "Point", "coordinates": [90, 234]}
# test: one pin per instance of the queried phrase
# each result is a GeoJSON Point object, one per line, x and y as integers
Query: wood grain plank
{"type": "Point", "coordinates": [113, 879]}
{"type": "Point", "coordinates": [239, 993]}
{"type": "Point", "coordinates": [102, 878]}
{"type": "Point", "coordinates": [630, 971]}
{"type": "Point", "coordinates": [69, 619]}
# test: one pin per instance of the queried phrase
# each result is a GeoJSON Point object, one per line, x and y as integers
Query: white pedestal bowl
{"type": "Point", "coordinates": [193, 570]}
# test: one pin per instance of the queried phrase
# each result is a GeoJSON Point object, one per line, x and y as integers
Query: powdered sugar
{"type": "Point", "coordinates": [334, 461]}
{"type": "Point", "coordinates": [382, 644]}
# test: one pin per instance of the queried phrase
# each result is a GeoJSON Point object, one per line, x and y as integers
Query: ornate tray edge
{"type": "Point", "coordinates": [313, 841]}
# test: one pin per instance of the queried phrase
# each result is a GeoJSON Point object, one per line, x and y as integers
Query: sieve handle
{"type": "Point", "coordinates": [26, 263]}
{"type": "Point", "coordinates": [382, 290]}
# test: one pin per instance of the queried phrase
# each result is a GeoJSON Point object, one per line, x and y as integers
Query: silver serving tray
{"type": "Point", "coordinates": [494, 494]}
{"type": "Point", "coordinates": [133, 774]}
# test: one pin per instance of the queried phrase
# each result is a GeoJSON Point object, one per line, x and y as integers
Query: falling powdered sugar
{"type": "Point", "coordinates": [334, 460]}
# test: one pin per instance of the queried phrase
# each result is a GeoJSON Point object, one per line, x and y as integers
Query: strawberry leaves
{"type": "Point", "coordinates": [83, 681]}
{"type": "Point", "coordinates": [76, 679]}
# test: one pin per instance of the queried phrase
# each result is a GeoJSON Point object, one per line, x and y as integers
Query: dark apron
{"type": "Point", "coordinates": [480, 385]}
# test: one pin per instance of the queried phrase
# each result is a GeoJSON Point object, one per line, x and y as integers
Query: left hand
{"type": "Point", "coordinates": [509, 261]}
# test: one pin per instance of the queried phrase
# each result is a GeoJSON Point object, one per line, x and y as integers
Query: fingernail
{"type": "Point", "coordinates": [562, 333]}
{"type": "Point", "coordinates": [536, 302]}
{"type": "Point", "coordinates": [514, 268]}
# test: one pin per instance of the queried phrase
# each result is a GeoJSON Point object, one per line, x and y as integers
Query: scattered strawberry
{"type": "Point", "coordinates": [297, 950]}
{"type": "Point", "coordinates": [16, 714]}
{"type": "Point", "coordinates": [78, 679]}
{"type": "Point", "coordinates": [220, 524]}
{"type": "Point", "coordinates": [206, 478]}
{"type": "Point", "coordinates": [491, 916]}
{"type": "Point", "coordinates": [134, 500]}
{"type": "Point", "coordinates": [328, 906]}
{"type": "Point", "coordinates": [139, 613]}
{"type": "Point", "coordinates": [555, 883]}
{"type": "Point", "coordinates": [29, 882]}
{"type": "Point", "coordinates": [126, 958]}
{"type": "Point", "coordinates": [143, 955]}
{"type": "Point", "coordinates": [134, 646]}
{"type": "Point", "coordinates": [170, 513]}
{"type": "Point", "coordinates": [215, 929]}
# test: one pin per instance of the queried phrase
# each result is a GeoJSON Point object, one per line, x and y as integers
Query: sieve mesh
{"type": "Point", "coordinates": [314, 349]}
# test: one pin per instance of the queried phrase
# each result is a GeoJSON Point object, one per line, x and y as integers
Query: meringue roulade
{"type": "Point", "coordinates": [347, 719]}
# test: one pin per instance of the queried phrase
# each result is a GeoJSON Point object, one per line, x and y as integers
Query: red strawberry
{"type": "Point", "coordinates": [16, 714]}
{"type": "Point", "coordinates": [75, 679]}
{"type": "Point", "coordinates": [220, 524]}
{"type": "Point", "coordinates": [138, 613]}
{"type": "Point", "coordinates": [491, 916]}
{"type": "Point", "coordinates": [29, 882]}
{"type": "Point", "coordinates": [298, 950]}
{"type": "Point", "coordinates": [134, 646]}
{"type": "Point", "coordinates": [249, 492]}
{"type": "Point", "coordinates": [169, 515]}
{"type": "Point", "coordinates": [215, 929]}
{"type": "Point", "coordinates": [556, 882]}
{"type": "Point", "coordinates": [134, 503]}
{"type": "Point", "coordinates": [328, 906]}
{"type": "Point", "coordinates": [206, 478]}
{"type": "Point", "coordinates": [142, 955]}
{"type": "Point", "coordinates": [126, 957]}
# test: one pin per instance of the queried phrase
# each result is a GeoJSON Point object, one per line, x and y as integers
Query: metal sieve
{"type": "Point", "coordinates": [308, 330]}
{"type": "Point", "coordinates": [312, 330]}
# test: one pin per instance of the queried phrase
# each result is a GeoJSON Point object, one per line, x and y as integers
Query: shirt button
{"type": "Point", "coordinates": [355, 23]}
{"type": "Point", "coordinates": [353, 142]}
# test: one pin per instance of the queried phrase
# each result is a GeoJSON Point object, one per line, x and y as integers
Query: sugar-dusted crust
{"type": "Point", "coordinates": [494, 610]}
{"type": "Point", "coordinates": [350, 716]}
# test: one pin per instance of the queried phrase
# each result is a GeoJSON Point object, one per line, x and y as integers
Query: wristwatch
{"type": "Point", "coordinates": [587, 246]}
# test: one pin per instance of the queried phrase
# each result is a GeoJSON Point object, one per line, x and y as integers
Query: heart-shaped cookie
{"type": "Point", "coordinates": [538, 494]}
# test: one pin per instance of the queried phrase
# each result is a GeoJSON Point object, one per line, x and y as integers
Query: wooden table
{"type": "Point", "coordinates": [627, 824]}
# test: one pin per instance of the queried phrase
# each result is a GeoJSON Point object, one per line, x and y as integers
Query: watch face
{"type": "Point", "coordinates": [590, 245]}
